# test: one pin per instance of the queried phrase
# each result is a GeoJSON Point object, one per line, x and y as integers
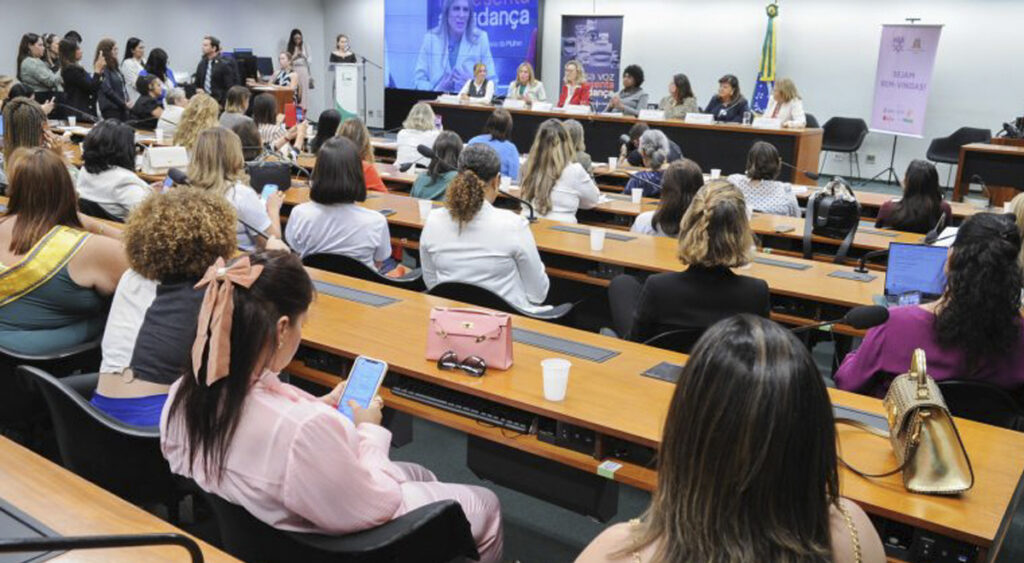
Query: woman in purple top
{"type": "Point", "coordinates": [973, 332]}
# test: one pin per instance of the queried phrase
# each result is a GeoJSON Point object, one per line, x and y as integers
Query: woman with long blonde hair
{"type": "Point", "coordinates": [575, 91]}
{"type": "Point", "coordinates": [786, 105]}
{"type": "Point", "coordinates": [526, 87]}
{"type": "Point", "coordinates": [201, 113]}
{"type": "Point", "coordinates": [552, 179]}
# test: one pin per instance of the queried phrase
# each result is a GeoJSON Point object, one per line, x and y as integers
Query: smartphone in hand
{"type": "Point", "coordinates": [363, 383]}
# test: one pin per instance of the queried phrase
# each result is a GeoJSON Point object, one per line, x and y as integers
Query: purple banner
{"type": "Point", "coordinates": [906, 58]}
{"type": "Point", "coordinates": [596, 42]}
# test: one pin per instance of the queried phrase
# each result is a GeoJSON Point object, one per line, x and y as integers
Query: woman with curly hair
{"type": "Point", "coordinates": [972, 332]}
{"type": "Point", "coordinates": [471, 241]}
{"type": "Point", "coordinates": [170, 239]}
{"type": "Point", "coordinates": [200, 114]}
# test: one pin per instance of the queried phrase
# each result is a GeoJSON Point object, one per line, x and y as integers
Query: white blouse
{"type": "Point", "coordinates": [488, 92]}
{"type": "Point", "coordinates": [408, 140]}
{"type": "Point", "coordinates": [573, 190]}
{"type": "Point", "coordinates": [790, 114]}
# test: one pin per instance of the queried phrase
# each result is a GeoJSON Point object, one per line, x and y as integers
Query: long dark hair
{"type": "Point", "coordinates": [747, 469]}
{"type": "Point", "coordinates": [264, 109]}
{"type": "Point", "coordinates": [291, 41]}
{"type": "Point", "coordinates": [338, 174]}
{"type": "Point", "coordinates": [129, 48]}
{"type": "Point", "coordinates": [109, 144]}
{"type": "Point", "coordinates": [980, 308]}
{"type": "Point", "coordinates": [156, 64]}
{"type": "Point", "coordinates": [921, 206]}
{"type": "Point", "coordinates": [211, 413]}
{"type": "Point", "coordinates": [679, 183]}
{"type": "Point", "coordinates": [326, 127]}
{"type": "Point", "coordinates": [447, 148]}
{"type": "Point", "coordinates": [683, 88]}
{"type": "Point", "coordinates": [27, 41]}
{"type": "Point", "coordinates": [68, 53]}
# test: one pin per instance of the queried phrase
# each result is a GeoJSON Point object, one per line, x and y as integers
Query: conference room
{"type": "Point", "coordinates": [543, 280]}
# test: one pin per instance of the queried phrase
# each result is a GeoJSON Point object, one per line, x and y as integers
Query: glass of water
{"type": "Point", "coordinates": [748, 117]}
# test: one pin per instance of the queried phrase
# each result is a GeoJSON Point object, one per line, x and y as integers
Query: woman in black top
{"type": "Point", "coordinates": [80, 87]}
{"type": "Point", "coordinates": [146, 110]}
{"type": "Point", "coordinates": [341, 52]}
{"type": "Point", "coordinates": [113, 95]}
{"type": "Point", "coordinates": [919, 209]}
{"type": "Point", "coordinates": [326, 127]}
{"type": "Point", "coordinates": [715, 237]}
{"type": "Point", "coordinates": [728, 105]}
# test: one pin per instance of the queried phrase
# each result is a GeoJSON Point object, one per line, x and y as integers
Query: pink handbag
{"type": "Point", "coordinates": [471, 332]}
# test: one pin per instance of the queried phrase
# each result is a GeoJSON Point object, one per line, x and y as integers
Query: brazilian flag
{"type": "Point", "coordinates": [766, 72]}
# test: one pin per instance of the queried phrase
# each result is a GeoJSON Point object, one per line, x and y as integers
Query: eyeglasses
{"type": "Point", "coordinates": [473, 365]}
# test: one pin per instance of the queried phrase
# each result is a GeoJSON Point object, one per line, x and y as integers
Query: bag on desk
{"type": "Point", "coordinates": [923, 436]}
{"type": "Point", "coordinates": [471, 332]}
{"type": "Point", "coordinates": [833, 212]}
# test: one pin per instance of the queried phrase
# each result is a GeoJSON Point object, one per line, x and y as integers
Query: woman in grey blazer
{"type": "Point", "coordinates": [32, 71]}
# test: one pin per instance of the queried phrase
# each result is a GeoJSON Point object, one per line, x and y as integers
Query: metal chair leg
{"type": "Point", "coordinates": [824, 159]}
{"type": "Point", "coordinates": [850, 155]}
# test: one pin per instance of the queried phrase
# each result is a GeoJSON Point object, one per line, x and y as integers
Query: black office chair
{"type": "Point", "coordinates": [947, 149]}
{"type": "Point", "coordinates": [481, 297]}
{"type": "Point", "coordinates": [812, 121]}
{"type": "Point", "coordinates": [348, 266]}
{"type": "Point", "coordinates": [679, 340]}
{"type": "Point", "coordinates": [20, 402]}
{"type": "Point", "coordinates": [93, 209]}
{"type": "Point", "coordinates": [435, 533]}
{"type": "Point", "coordinates": [846, 135]}
{"type": "Point", "coordinates": [983, 402]}
{"type": "Point", "coordinates": [123, 459]}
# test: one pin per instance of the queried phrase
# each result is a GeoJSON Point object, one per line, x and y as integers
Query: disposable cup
{"type": "Point", "coordinates": [72, 121]}
{"type": "Point", "coordinates": [597, 239]}
{"type": "Point", "coordinates": [425, 206]}
{"type": "Point", "coordinates": [637, 194]}
{"type": "Point", "coordinates": [613, 162]}
{"type": "Point", "coordinates": [556, 378]}
{"type": "Point", "coordinates": [716, 173]}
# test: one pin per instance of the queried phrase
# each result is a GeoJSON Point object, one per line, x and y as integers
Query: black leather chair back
{"type": "Point", "coordinates": [947, 149]}
{"type": "Point", "coordinates": [983, 402]}
{"type": "Point", "coordinates": [679, 340]}
{"type": "Point", "coordinates": [481, 297]}
{"type": "Point", "coordinates": [348, 266]}
{"type": "Point", "coordinates": [93, 209]}
{"type": "Point", "coordinates": [812, 121]}
{"type": "Point", "coordinates": [844, 134]}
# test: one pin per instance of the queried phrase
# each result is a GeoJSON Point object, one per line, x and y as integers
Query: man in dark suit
{"type": "Point", "coordinates": [215, 74]}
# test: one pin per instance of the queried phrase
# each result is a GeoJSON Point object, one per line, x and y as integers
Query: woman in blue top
{"type": "Point", "coordinates": [654, 149]}
{"type": "Point", "coordinates": [496, 133]}
{"type": "Point", "coordinates": [451, 49]}
{"type": "Point", "coordinates": [728, 105]}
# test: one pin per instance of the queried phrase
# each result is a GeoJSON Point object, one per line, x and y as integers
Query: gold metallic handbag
{"type": "Point", "coordinates": [923, 436]}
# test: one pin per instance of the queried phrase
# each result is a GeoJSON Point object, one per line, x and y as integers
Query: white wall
{"type": "Point", "coordinates": [177, 26]}
{"type": "Point", "coordinates": [363, 22]}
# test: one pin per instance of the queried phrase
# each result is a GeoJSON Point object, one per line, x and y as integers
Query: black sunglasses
{"type": "Point", "coordinates": [473, 365]}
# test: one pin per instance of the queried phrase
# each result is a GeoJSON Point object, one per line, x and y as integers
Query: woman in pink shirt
{"type": "Point", "coordinates": [290, 459]}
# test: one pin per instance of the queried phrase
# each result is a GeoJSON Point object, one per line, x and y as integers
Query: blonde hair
{"type": "Point", "coordinates": [551, 153]}
{"type": "Point", "coordinates": [354, 130]}
{"type": "Point", "coordinates": [420, 118]}
{"type": "Point", "coordinates": [478, 66]}
{"type": "Point", "coordinates": [217, 163]}
{"type": "Point", "coordinates": [200, 114]}
{"type": "Point", "coordinates": [716, 231]}
{"type": "Point", "coordinates": [786, 89]}
{"type": "Point", "coordinates": [581, 73]}
{"type": "Point", "coordinates": [1017, 208]}
{"type": "Point", "coordinates": [533, 75]}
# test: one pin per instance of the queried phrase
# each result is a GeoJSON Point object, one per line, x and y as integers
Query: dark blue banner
{"type": "Point", "coordinates": [594, 41]}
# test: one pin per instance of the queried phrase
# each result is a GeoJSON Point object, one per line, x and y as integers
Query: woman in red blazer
{"type": "Point", "coordinates": [575, 90]}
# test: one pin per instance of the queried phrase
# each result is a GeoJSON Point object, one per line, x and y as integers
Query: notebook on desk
{"type": "Point", "coordinates": [915, 270]}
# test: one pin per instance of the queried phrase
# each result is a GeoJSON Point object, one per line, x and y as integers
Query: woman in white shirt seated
{"type": "Point", "coordinates": [679, 183]}
{"type": "Point", "coordinates": [217, 165]}
{"type": "Point", "coordinates": [174, 108]}
{"type": "Point", "coordinates": [526, 87]}
{"type": "Point", "coordinates": [471, 241]}
{"type": "Point", "coordinates": [786, 105]}
{"type": "Point", "coordinates": [109, 178]}
{"type": "Point", "coordinates": [479, 89]}
{"type": "Point", "coordinates": [417, 129]}
{"type": "Point", "coordinates": [760, 188]}
{"type": "Point", "coordinates": [333, 223]}
{"type": "Point", "coordinates": [553, 179]}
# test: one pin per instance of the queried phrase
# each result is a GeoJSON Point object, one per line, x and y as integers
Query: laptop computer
{"type": "Point", "coordinates": [915, 273]}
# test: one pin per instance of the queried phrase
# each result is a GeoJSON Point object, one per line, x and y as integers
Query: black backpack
{"type": "Point", "coordinates": [833, 212]}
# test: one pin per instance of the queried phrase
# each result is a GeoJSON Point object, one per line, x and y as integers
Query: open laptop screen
{"type": "Point", "coordinates": [916, 267]}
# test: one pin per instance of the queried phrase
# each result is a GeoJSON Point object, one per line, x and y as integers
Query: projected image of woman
{"type": "Point", "coordinates": [451, 49]}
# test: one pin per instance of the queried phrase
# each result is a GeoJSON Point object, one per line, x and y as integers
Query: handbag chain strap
{"type": "Point", "coordinates": [915, 439]}
{"type": "Point", "coordinates": [854, 536]}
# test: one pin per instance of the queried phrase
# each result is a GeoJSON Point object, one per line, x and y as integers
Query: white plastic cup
{"type": "Point", "coordinates": [72, 121]}
{"type": "Point", "coordinates": [716, 173]}
{"type": "Point", "coordinates": [506, 183]}
{"type": "Point", "coordinates": [556, 378]}
{"type": "Point", "coordinates": [1007, 207]}
{"type": "Point", "coordinates": [425, 206]}
{"type": "Point", "coordinates": [596, 239]}
{"type": "Point", "coordinates": [613, 162]}
{"type": "Point", "coordinates": [637, 194]}
{"type": "Point", "coordinates": [159, 136]}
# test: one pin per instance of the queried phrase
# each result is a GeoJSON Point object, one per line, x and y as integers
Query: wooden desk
{"type": "Point", "coordinates": [613, 399]}
{"type": "Point", "coordinates": [718, 145]}
{"type": "Point", "coordinates": [72, 506]}
{"type": "Point", "coordinates": [1000, 166]}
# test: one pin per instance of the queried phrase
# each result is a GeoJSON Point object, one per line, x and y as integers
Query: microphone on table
{"type": "Point", "coordinates": [1011, 131]}
{"type": "Point", "coordinates": [933, 235]}
{"type": "Point", "coordinates": [860, 318]}
{"type": "Point", "coordinates": [405, 166]}
{"type": "Point", "coordinates": [429, 153]}
{"type": "Point", "coordinates": [94, 118]}
{"type": "Point", "coordinates": [178, 176]}
{"type": "Point", "coordinates": [624, 139]}
{"type": "Point", "coordinates": [811, 175]}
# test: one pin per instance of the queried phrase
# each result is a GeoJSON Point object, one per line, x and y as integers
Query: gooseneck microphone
{"type": "Point", "coordinates": [811, 175]}
{"type": "Point", "coordinates": [860, 318]}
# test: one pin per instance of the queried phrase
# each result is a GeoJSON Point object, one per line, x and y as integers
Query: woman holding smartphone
{"type": "Point", "coordinates": [328, 473]}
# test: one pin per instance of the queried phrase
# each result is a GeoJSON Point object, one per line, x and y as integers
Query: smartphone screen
{"type": "Point", "coordinates": [363, 382]}
{"type": "Point", "coordinates": [268, 190]}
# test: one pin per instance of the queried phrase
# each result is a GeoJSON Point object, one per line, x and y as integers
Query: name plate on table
{"type": "Point", "coordinates": [448, 99]}
{"type": "Point", "coordinates": [767, 123]}
{"type": "Point", "coordinates": [577, 109]}
{"type": "Point", "coordinates": [699, 118]}
{"type": "Point", "coordinates": [651, 115]}
{"type": "Point", "coordinates": [541, 106]}
{"type": "Point", "coordinates": [514, 104]}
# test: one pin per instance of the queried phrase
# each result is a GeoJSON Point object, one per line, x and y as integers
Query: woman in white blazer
{"type": "Point", "coordinates": [526, 87]}
{"type": "Point", "coordinates": [786, 105]}
{"type": "Point", "coordinates": [552, 179]}
{"type": "Point", "coordinates": [450, 50]}
{"type": "Point", "coordinates": [471, 241]}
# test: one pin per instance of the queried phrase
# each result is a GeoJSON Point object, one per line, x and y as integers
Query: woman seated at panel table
{"type": "Point", "coordinates": [763, 192]}
{"type": "Point", "coordinates": [921, 206]}
{"type": "Point", "coordinates": [471, 241]}
{"type": "Point", "coordinates": [57, 274]}
{"type": "Point", "coordinates": [355, 130]}
{"type": "Point", "coordinates": [575, 90]}
{"type": "Point", "coordinates": [526, 87]}
{"type": "Point", "coordinates": [553, 180]}
{"type": "Point", "coordinates": [679, 185]}
{"type": "Point", "coordinates": [497, 131]}
{"type": "Point", "coordinates": [680, 99]}
{"type": "Point", "coordinates": [451, 48]}
{"type": "Point", "coordinates": [417, 129]}
{"type": "Point", "coordinates": [788, 507]}
{"type": "Point", "coordinates": [292, 460]}
{"type": "Point", "coordinates": [786, 105]}
{"type": "Point", "coordinates": [109, 178]}
{"type": "Point", "coordinates": [333, 222]}
{"type": "Point", "coordinates": [147, 343]}
{"type": "Point", "coordinates": [479, 89]}
{"type": "Point", "coordinates": [728, 105]}
{"type": "Point", "coordinates": [973, 332]}
{"type": "Point", "coordinates": [433, 183]}
{"type": "Point", "coordinates": [715, 237]}
{"type": "Point", "coordinates": [631, 98]}
{"type": "Point", "coordinates": [654, 151]}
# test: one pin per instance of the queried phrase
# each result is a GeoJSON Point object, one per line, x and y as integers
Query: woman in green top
{"type": "Point", "coordinates": [680, 99]}
{"type": "Point", "coordinates": [442, 169]}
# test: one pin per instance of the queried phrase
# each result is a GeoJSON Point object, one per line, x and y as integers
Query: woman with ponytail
{"type": "Point", "coordinates": [471, 241]}
{"type": "Point", "coordinates": [291, 459]}
{"type": "Point", "coordinates": [972, 332]}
